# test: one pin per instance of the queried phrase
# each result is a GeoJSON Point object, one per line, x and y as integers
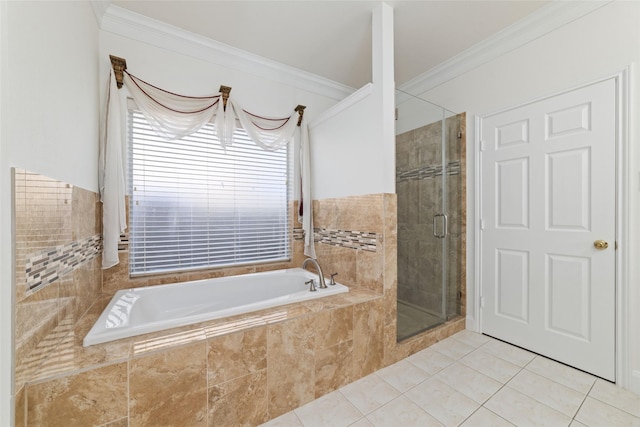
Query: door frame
{"type": "Point", "coordinates": [623, 188]}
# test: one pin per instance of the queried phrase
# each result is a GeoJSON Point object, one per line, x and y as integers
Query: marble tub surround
{"type": "Point", "coordinates": [243, 370]}
{"type": "Point", "coordinates": [247, 369]}
{"type": "Point", "coordinates": [57, 264]}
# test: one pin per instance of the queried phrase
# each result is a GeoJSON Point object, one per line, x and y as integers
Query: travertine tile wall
{"type": "Point", "coordinates": [375, 271]}
{"type": "Point", "coordinates": [57, 264]}
{"type": "Point", "coordinates": [243, 370]}
{"type": "Point", "coordinates": [419, 189]}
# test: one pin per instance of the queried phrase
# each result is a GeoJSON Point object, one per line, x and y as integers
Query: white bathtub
{"type": "Point", "coordinates": [154, 308]}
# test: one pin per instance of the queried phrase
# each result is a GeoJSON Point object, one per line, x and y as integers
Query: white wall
{"type": "Point", "coordinates": [345, 150]}
{"type": "Point", "coordinates": [353, 150]}
{"type": "Point", "coordinates": [6, 292]}
{"type": "Point", "coordinates": [597, 45]}
{"type": "Point", "coordinates": [49, 119]}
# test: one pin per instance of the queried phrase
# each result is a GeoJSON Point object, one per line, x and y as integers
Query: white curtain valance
{"type": "Point", "coordinates": [173, 117]}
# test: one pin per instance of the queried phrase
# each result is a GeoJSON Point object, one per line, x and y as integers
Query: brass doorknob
{"type": "Point", "coordinates": [600, 244]}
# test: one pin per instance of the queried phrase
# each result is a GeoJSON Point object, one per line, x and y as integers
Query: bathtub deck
{"type": "Point", "coordinates": [69, 355]}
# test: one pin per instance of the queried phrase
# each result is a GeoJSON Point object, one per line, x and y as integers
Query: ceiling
{"type": "Point", "coordinates": [333, 38]}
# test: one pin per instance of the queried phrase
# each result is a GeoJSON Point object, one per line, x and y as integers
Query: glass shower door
{"type": "Point", "coordinates": [423, 167]}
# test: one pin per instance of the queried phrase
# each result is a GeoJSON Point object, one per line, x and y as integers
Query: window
{"type": "Point", "coordinates": [196, 205]}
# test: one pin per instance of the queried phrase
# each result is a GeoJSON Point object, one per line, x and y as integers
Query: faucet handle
{"type": "Point", "coordinates": [312, 285]}
{"type": "Point", "coordinates": [333, 280]}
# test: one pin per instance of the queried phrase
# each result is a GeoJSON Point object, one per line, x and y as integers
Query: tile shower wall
{"type": "Point", "coordinates": [419, 188]}
{"type": "Point", "coordinates": [57, 264]}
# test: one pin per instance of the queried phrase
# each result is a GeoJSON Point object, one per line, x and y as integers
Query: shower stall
{"type": "Point", "coordinates": [430, 147]}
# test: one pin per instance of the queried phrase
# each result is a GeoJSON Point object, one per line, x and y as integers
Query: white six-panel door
{"type": "Point", "coordinates": [548, 192]}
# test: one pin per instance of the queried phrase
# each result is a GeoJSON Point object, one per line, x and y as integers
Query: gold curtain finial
{"type": "Point", "coordinates": [300, 110]}
{"type": "Point", "coordinates": [119, 65]}
{"type": "Point", "coordinates": [225, 91]}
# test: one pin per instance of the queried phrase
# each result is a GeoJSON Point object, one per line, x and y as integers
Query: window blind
{"type": "Point", "coordinates": [195, 204]}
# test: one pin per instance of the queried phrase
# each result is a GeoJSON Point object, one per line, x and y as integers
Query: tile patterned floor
{"type": "Point", "coordinates": [471, 380]}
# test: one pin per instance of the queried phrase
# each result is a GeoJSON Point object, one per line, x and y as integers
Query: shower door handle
{"type": "Point", "coordinates": [443, 233]}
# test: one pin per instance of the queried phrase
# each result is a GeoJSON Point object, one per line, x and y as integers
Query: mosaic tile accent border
{"type": "Point", "coordinates": [427, 172]}
{"type": "Point", "coordinates": [298, 234]}
{"type": "Point", "coordinates": [51, 264]}
{"type": "Point", "coordinates": [359, 240]}
{"type": "Point", "coordinates": [123, 243]}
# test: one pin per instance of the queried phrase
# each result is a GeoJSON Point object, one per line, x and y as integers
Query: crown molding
{"type": "Point", "coordinates": [99, 9]}
{"type": "Point", "coordinates": [138, 27]}
{"type": "Point", "coordinates": [546, 19]}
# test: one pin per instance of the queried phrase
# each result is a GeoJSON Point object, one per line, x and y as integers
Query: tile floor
{"type": "Point", "coordinates": [471, 380]}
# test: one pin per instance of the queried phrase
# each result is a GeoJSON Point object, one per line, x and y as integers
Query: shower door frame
{"type": "Point", "coordinates": [440, 227]}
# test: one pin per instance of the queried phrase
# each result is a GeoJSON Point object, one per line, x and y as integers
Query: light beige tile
{"type": "Point", "coordinates": [523, 410]}
{"type": "Point", "coordinates": [235, 355]}
{"type": "Point", "coordinates": [490, 365]}
{"type": "Point", "coordinates": [469, 382]}
{"type": "Point", "coordinates": [562, 374]}
{"type": "Point", "coordinates": [551, 393]}
{"type": "Point", "coordinates": [471, 338]}
{"type": "Point", "coordinates": [89, 398]}
{"type": "Point", "coordinates": [447, 405]}
{"type": "Point", "coordinates": [169, 388]}
{"type": "Point", "coordinates": [241, 401]}
{"type": "Point", "coordinates": [485, 418]}
{"type": "Point", "coordinates": [362, 213]}
{"type": "Point", "coordinates": [430, 361]}
{"type": "Point", "coordinates": [332, 409]}
{"type": "Point", "coordinates": [594, 413]}
{"type": "Point", "coordinates": [510, 353]}
{"type": "Point", "coordinates": [369, 393]}
{"type": "Point", "coordinates": [20, 408]}
{"type": "Point", "coordinates": [334, 327]}
{"type": "Point", "coordinates": [122, 422]}
{"type": "Point", "coordinates": [290, 419]}
{"type": "Point", "coordinates": [368, 337]}
{"type": "Point", "coordinates": [290, 366]}
{"type": "Point", "coordinates": [335, 259]}
{"type": "Point", "coordinates": [575, 423]}
{"type": "Point", "coordinates": [362, 422]}
{"type": "Point", "coordinates": [401, 412]}
{"type": "Point", "coordinates": [402, 375]}
{"type": "Point", "coordinates": [623, 399]}
{"type": "Point", "coordinates": [452, 348]}
{"type": "Point", "coordinates": [333, 367]}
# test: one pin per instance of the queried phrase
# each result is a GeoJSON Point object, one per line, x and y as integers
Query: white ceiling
{"type": "Point", "coordinates": [333, 38]}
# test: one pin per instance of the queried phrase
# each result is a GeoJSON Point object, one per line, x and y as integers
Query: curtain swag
{"type": "Point", "coordinates": [174, 116]}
